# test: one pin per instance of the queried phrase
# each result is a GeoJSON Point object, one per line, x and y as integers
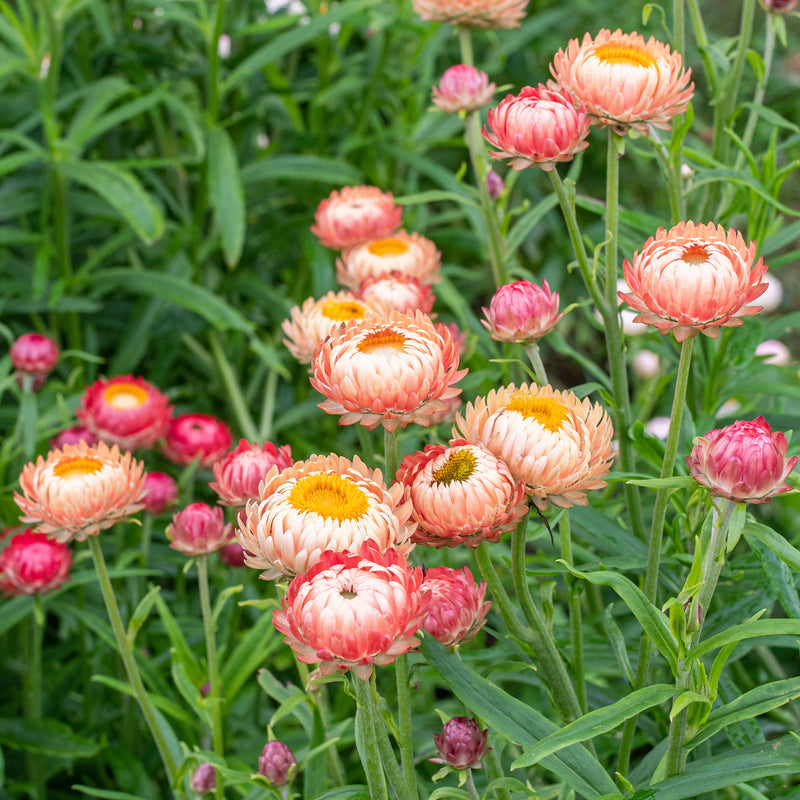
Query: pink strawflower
{"type": "Point", "coordinates": [539, 127]}
{"type": "Point", "coordinates": [745, 462]}
{"type": "Point", "coordinates": [34, 354]}
{"type": "Point", "coordinates": [623, 80]}
{"type": "Point", "coordinates": [390, 372]}
{"type": "Point", "coordinates": [126, 411]}
{"type": "Point", "coordinates": [204, 779]}
{"type": "Point", "coordinates": [239, 474]}
{"type": "Point", "coordinates": [354, 214]}
{"type": "Point", "coordinates": [199, 529]}
{"type": "Point", "coordinates": [353, 610]}
{"type": "Point", "coordinates": [73, 435]}
{"type": "Point", "coordinates": [457, 610]}
{"type": "Point", "coordinates": [473, 13]}
{"type": "Point", "coordinates": [161, 491]}
{"type": "Point", "coordinates": [192, 436]}
{"type": "Point", "coordinates": [33, 564]}
{"type": "Point", "coordinates": [463, 88]}
{"type": "Point", "coordinates": [461, 744]}
{"type": "Point", "coordinates": [277, 763]}
{"type": "Point", "coordinates": [522, 312]}
{"type": "Point", "coordinates": [694, 279]}
{"type": "Point", "coordinates": [397, 292]}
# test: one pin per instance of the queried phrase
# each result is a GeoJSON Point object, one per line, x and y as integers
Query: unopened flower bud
{"type": "Point", "coordinates": [204, 779]}
{"type": "Point", "coordinates": [162, 491]}
{"type": "Point", "coordinates": [198, 530]}
{"type": "Point", "coordinates": [463, 88]}
{"type": "Point", "coordinates": [34, 355]}
{"type": "Point", "coordinates": [522, 312]}
{"type": "Point", "coordinates": [495, 184]}
{"type": "Point", "coordinates": [461, 744]}
{"type": "Point", "coordinates": [277, 763]}
{"type": "Point", "coordinates": [779, 6]}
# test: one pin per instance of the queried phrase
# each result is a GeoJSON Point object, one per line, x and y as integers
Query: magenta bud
{"type": "Point", "coordinates": [204, 778]}
{"type": "Point", "coordinates": [461, 744]}
{"type": "Point", "coordinates": [277, 763]}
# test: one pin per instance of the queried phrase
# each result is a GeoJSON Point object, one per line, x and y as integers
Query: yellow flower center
{"type": "Point", "coordinates": [77, 465]}
{"type": "Point", "coordinates": [124, 396]}
{"type": "Point", "coordinates": [549, 413]}
{"type": "Point", "coordinates": [381, 340]}
{"type": "Point", "coordinates": [388, 247]}
{"type": "Point", "coordinates": [459, 467]}
{"type": "Point", "coordinates": [330, 496]}
{"type": "Point", "coordinates": [695, 253]}
{"type": "Point", "coordinates": [616, 53]}
{"type": "Point", "coordinates": [343, 309]}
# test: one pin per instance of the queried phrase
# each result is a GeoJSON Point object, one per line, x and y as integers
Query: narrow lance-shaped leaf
{"type": "Point", "coordinates": [226, 194]}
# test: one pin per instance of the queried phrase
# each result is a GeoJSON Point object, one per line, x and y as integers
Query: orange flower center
{"type": "Point", "coordinates": [616, 53]}
{"type": "Point", "coordinates": [549, 413]}
{"type": "Point", "coordinates": [388, 247]}
{"type": "Point", "coordinates": [459, 467]}
{"type": "Point", "coordinates": [381, 341]}
{"type": "Point", "coordinates": [77, 465]}
{"type": "Point", "coordinates": [330, 496]}
{"type": "Point", "coordinates": [695, 253]}
{"type": "Point", "coordinates": [343, 309]}
{"type": "Point", "coordinates": [124, 396]}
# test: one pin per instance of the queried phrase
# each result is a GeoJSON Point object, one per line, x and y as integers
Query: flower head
{"type": "Point", "coordinates": [199, 529]}
{"type": "Point", "coordinates": [473, 13]}
{"type": "Point", "coordinates": [192, 436]}
{"type": "Point", "coordinates": [461, 744]}
{"type": "Point", "coordinates": [623, 80]}
{"type": "Point", "coordinates": [461, 495]}
{"type": "Point", "coordinates": [239, 474]}
{"type": "Point", "coordinates": [80, 490]}
{"type": "Point", "coordinates": [694, 279]}
{"type": "Point", "coordinates": [31, 563]}
{"type": "Point", "coordinates": [538, 127]}
{"type": "Point", "coordinates": [522, 312]}
{"type": "Point", "coordinates": [72, 435]}
{"type": "Point", "coordinates": [161, 491]}
{"type": "Point", "coordinates": [126, 411]}
{"type": "Point", "coordinates": [558, 444]}
{"type": "Point", "coordinates": [277, 763]}
{"type": "Point", "coordinates": [204, 779]}
{"type": "Point", "coordinates": [463, 88]}
{"type": "Point", "coordinates": [353, 610]}
{"type": "Point", "coordinates": [745, 462]}
{"type": "Point", "coordinates": [457, 610]}
{"type": "Point", "coordinates": [34, 354]}
{"type": "Point", "coordinates": [323, 503]}
{"type": "Point", "coordinates": [397, 292]}
{"type": "Point", "coordinates": [354, 214]}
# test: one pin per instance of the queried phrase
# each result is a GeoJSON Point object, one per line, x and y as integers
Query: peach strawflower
{"type": "Point", "coordinates": [322, 503]}
{"type": "Point", "coordinates": [623, 80]}
{"type": "Point", "coordinates": [461, 495]}
{"type": "Point", "coordinates": [397, 292]}
{"type": "Point", "coordinates": [354, 214]}
{"type": "Point", "coordinates": [353, 610]}
{"type": "Point", "coordinates": [521, 312]}
{"type": "Point", "coordinates": [389, 372]}
{"type": "Point", "coordinates": [408, 254]}
{"type": "Point", "coordinates": [310, 323]}
{"type": "Point", "coordinates": [192, 436]}
{"type": "Point", "coordinates": [463, 88]}
{"type": "Point", "coordinates": [80, 490]}
{"type": "Point", "coordinates": [33, 564]}
{"type": "Point", "coordinates": [539, 127]}
{"type": "Point", "coordinates": [238, 475]}
{"type": "Point", "coordinates": [557, 443]}
{"type": "Point", "coordinates": [694, 279]}
{"type": "Point", "coordinates": [473, 13]}
{"type": "Point", "coordinates": [198, 530]}
{"type": "Point", "coordinates": [457, 610]}
{"type": "Point", "coordinates": [126, 411]}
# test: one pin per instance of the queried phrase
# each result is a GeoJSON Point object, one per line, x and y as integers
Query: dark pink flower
{"type": "Point", "coordinates": [198, 530]}
{"type": "Point", "coordinates": [238, 475]}
{"type": "Point", "coordinates": [461, 744]}
{"type": "Point", "coordinates": [32, 563]}
{"type": "Point", "coordinates": [34, 354]}
{"type": "Point", "coordinates": [162, 491]}
{"type": "Point", "coordinates": [457, 610]}
{"type": "Point", "coordinates": [277, 763]}
{"type": "Point", "coordinates": [73, 435]}
{"type": "Point", "coordinates": [192, 436]}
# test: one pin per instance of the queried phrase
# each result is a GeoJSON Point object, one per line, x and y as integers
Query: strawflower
{"type": "Point", "coordinates": [33, 564]}
{"type": "Point", "coordinates": [457, 610]}
{"type": "Point", "coordinates": [161, 491]}
{"type": "Point", "coordinates": [473, 13]}
{"type": "Point", "coordinates": [463, 88]}
{"type": "Point", "coordinates": [192, 436]}
{"type": "Point", "coordinates": [397, 292]}
{"type": "Point", "coordinates": [34, 355]}
{"type": "Point", "coordinates": [522, 312]}
{"type": "Point", "coordinates": [238, 475]}
{"type": "Point", "coordinates": [277, 763]}
{"type": "Point", "coordinates": [461, 744]}
{"type": "Point", "coordinates": [199, 529]}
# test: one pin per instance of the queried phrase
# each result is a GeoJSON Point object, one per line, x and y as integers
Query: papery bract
{"type": "Point", "coordinates": [522, 312]}
{"type": "Point", "coordinates": [457, 610]}
{"type": "Point", "coordinates": [463, 88]}
{"type": "Point", "coordinates": [34, 354]}
{"type": "Point", "coordinates": [192, 436]}
{"type": "Point", "coordinates": [238, 475]}
{"type": "Point", "coordinates": [277, 763]}
{"type": "Point", "coordinates": [198, 529]}
{"type": "Point", "coordinates": [473, 13]}
{"type": "Point", "coordinates": [33, 564]}
{"type": "Point", "coordinates": [354, 214]}
{"type": "Point", "coordinates": [461, 744]}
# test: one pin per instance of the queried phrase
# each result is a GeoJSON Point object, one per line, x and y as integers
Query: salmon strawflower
{"type": "Point", "coordinates": [354, 214]}
{"type": "Point", "coordinates": [197, 436]}
{"type": "Point", "coordinates": [694, 279]}
{"type": "Point", "coordinates": [323, 503]}
{"type": "Point", "coordinates": [390, 372]}
{"type": "Point", "coordinates": [558, 444]}
{"type": "Point", "coordinates": [353, 610]}
{"type": "Point", "coordinates": [33, 564]}
{"type": "Point", "coordinates": [473, 13]}
{"type": "Point", "coordinates": [126, 411]}
{"type": "Point", "coordinates": [461, 495]}
{"type": "Point", "coordinates": [80, 490]}
{"type": "Point", "coordinates": [397, 292]}
{"type": "Point", "coordinates": [624, 81]}
{"type": "Point", "coordinates": [457, 610]}
{"type": "Point", "coordinates": [238, 475]}
{"type": "Point", "coordinates": [408, 254]}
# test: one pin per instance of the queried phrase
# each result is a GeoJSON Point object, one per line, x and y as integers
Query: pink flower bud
{"type": "Point", "coordinates": [31, 563]}
{"type": "Point", "coordinates": [457, 610]}
{"type": "Point", "coordinates": [204, 778]}
{"type": "Point", "coordinates": [162, 491]}
{"type": "Point", "coordinates": [461, 744]}
{"type": "Point", "coordinates": [34, 355]}
{"type": "Point", "coordinates": [744, 462]}
{"type": "Point", "coordinates": [197, 435]}
{"type": "Point", "coordinates": [232, 554]}
{"type": "Point", "coordinates": [277, 763]}
{"type": "Point", "coordinates": [463, 88]}
{"type": "Point", "coordinates": [198, 530]}
{"type": "Point", "coordinates": [238, 475]}
{"type": "Point", "coordinates": [73, 435]}
{"type": "Point", "coordinates": [522, 312]}
{"type": "Point", "coordinates": [495, 184]}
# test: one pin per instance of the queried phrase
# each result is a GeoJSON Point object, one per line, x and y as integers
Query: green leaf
{"type": "Point", "coordinates": [48, 736]}
{"type": "Point", "coordinates": [676, 482]}
{"type": "Point", "coordinates": [617, 641]}
{"type": "Point", "coordinates": [780, 578]}
{"type": "Point", "coordinates": [686, 699]}
{"type": "Point", "coordinates": [175, 710]}
{"type": "Point", "coordinates": [318, 169]}
{"type": "Point", "coordinates": [226, 194]}
{"type": "Point", "coordinates": [732, 176]}
{"type": "Point", "coordinates": [528, 221]}
{"type": "Point", "coordinates": [107, 794]}
{"type": "Point", "coordinates": [596, 722]}
{"type": "Point", "coordinates": [774, 541]}
{"type": "Point", "coordinates": [517, 722]}
{"type": "Point", "coordinates": [747, 630]}
{"type": "Point", "coordinates": [141, 613]}
{"type": "Point", "coordinates": [179, 644]}
{"type": "Point", "coordinates": [352, 792]}
{"type": "Point", "coordinates": [122, 190]}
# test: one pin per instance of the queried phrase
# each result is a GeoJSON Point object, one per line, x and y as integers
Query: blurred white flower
{"type": "Point", "coordinates": [658, 427]}
{"type": "Point", "coordinates": [224, 45]}
{"type": "Point", "coordinates": [772, 298]}
{"type": "Point", "coordinates": [645, 364]}
{"type": "Point", "coordinates": [775, 352]}
{"type": "Point", "coordinates": [729, 408]}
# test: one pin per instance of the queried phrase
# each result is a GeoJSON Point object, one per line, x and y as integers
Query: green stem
{"type": "Point", "coordinates": [532, 349]}
{"type": "Point", "coordinates": [701, 37]}
{"type": "Point", "coordinates": [32, 679]}
{"type": "Point", "coordinates": [391, 459]}
{"type": "Point", "coordinates": [268, 407]}
{"type": "Point", "coordinates": [678, 26]}
{"type": "Point", "coordinates": [574, 604]}
{"type": "Point", "coordinates": [465, 46]}
{"type": "Point", "coordinates": [213, 63]}
{"type": "Point", "coordinates": [406, 741]}
{"type": "Point", "coordinates": [240, 411]}
{"type": "Point", "coordinates": [214, 696]}
{"type": "Point", "coordinates": [470, 784]}
{"type": "Point", "coordinates": [128, 659]}
{"type": "Point", "coordinates": [494, 772]}
{"type": "Point", "coordinates": [370, 757]}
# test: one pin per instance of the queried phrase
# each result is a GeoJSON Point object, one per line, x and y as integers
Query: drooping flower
{"type": "Point", "coordinates": [192, 436]}
{"type": "Point", "coordinates": [34, 355]}
{"type": "Point", "coordinates": [473, 13]}
{"type": "Point", "coordinates": [354, 214]}
{"type": "Point", "coordinates": [80, 490]}
{"type": "Point", "coordinates": [277, 763]}
{"type": "Point", "coordinates": [353, 610]}
{"type": "Point", "coordinates": [539, 127]}
{"type": "Point", "coordinates": [126, 411]}
{"type": "Point", "coordinates": [204, 779]}
{"type": "Point", "coordinates": [694, 279]}
{"type": "Point", "coordinates": [463, 88]}
{"type": "Point", "coordinates": [457, 610]}
{"type": "Point", "coordinates": [745, 462]}
{"type": "Point", "coordinates": [162, 491]}
{"type": "Point", "coordinates": [409, 254]}
{"type": "Point", "coordinates": [522, 312]}
{"type": "Point", "coordinates": [623, 80]}
{"type": "Point", "coordinates": [461, 495]}
{"type": "Point", "coordinates": [397, 292]}
{"type": "Point", "coordinates": [72, 435]}
{"type": "Point", "coordinates": [461, 744]}
{"type": "Point", "coordinates": [390, 372]}
{"type": "Point", "coordinates": [33, 564]}
{"type": "Point", "coordinates": [558, 444]}
{"type": "Point", "coordinates": [198, 529]}
{"type": "Point", "coordinates": [239, 474]}
{"type": "Point", "coordinates": [323, 503]}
